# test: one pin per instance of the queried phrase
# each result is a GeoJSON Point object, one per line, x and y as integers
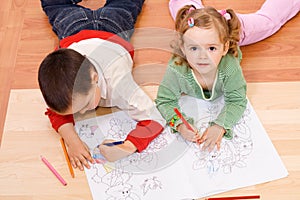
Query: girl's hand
{"type": "Point", "coordinates": [192, 136]}
{"type": "Point", "coordinates": [79, 154]}
{"type": "Point", "coordinates": [211, 137]}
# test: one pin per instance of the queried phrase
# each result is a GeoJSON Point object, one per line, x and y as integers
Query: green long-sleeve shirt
{"type": "Point", "coordinates": [229, 82]}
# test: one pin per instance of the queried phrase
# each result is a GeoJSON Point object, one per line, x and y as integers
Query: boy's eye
{"type": "Point", "coordinates": [212, 48]}
{"type": "Point", "coordinates": [193, 48]}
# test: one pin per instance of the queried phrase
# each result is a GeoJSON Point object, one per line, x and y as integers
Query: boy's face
{"type": "Point", "coordinates": [82, 103]}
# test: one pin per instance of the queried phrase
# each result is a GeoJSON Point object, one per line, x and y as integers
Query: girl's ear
{"type": "Point", "coordinates": [180, 43]}
{"type": "Point", "coordinates": [226, 48]}
{"type": "Point", "coordinates": [182, 50]}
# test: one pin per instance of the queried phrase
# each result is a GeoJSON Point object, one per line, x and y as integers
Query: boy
{"type": "Point", "coordinates": [93, 68]}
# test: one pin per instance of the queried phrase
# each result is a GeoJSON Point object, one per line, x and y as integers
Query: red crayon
{"type": "Point", "coordinates": [234, 198]}
{"type": "Point", "coordinates": [183, 120]}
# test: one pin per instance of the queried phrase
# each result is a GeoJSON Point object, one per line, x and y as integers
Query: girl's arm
{"type": "Point", "coordinates": [234, 87]}
{"type": "Point", "coordinates": [168, 96]}
{"type": "Point", "coordinates": [235, 101]}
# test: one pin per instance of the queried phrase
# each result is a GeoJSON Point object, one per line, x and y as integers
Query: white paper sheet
{"type": "Point", "coordinates": [171, 168]}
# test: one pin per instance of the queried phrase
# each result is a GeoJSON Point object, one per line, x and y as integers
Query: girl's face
{"type": "Point", "coordinates": [203, 49]}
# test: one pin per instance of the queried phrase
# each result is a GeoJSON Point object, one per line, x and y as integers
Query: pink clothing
{"type": "Point", "coordinates": [267, 20]}
{"type": "Point", "coordinates": [255, 26]}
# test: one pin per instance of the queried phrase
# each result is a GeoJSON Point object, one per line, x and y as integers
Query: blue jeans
{"type": "Point", "coordinates": [116, 16]}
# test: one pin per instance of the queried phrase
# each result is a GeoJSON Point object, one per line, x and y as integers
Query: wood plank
{"type": "Point", "coordinates": [11, 25]}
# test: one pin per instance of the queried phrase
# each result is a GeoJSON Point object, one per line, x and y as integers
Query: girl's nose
{"type": "Point", "coordinates": [202, 54]}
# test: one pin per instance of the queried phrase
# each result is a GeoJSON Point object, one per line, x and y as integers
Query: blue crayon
{"type": "Point", "coordinates": [98, 156]}
{"type": "Point", "coordinates": [114, 143]}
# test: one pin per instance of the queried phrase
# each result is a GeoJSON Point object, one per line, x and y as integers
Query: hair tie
{"type": "Point", "coordinates": [225, 14]}
{"type": "Point", "coordinates": [191, 9]}
{"type": "Point", "coordinates": [191, 22]}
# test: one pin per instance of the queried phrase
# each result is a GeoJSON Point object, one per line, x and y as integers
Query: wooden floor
{"type": "Point", "coordinates": [26, 37]}
{"type": "Point", "coordinates": [271, 68]}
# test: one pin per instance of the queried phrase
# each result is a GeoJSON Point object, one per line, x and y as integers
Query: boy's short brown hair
{"type": "Point", "coordinates": [57, 75]}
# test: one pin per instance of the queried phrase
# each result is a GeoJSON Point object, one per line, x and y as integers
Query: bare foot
{"type": "Point", "coordinates": [117, 152]}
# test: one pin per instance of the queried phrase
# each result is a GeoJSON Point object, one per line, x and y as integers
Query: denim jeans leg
{"type": "Point", "coordinates": [119, 17]}
{"type": "Point", "coordinates": [66, 17]}
{"type": "Point", "coordinates": [46, 3]}
{"type": "Point", "coordinates": [132, 6]}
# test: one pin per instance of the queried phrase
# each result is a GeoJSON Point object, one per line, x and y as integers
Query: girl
{"type": "Point", "coordinates": [205, 65]}
{"type": "Point", "coordinates": [254, 27]}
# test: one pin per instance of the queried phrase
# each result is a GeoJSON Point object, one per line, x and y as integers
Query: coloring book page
{"type": "Point", "coordinates": [172, 168]}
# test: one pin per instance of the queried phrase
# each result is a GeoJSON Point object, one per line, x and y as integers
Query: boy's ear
{"type": "Point", "coordinates": [226, 48]}
{"type": "Point", "coordinates": [94, 76]}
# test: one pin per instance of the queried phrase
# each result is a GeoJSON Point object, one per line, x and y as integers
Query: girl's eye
{"type": "Point", "coordinates": [212, 48]}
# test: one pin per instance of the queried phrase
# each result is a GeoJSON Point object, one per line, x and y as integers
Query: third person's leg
{"type": "Point", "coordinates": [255, 26]}
{"type": "Point", "coordinates": [267, 20]}
{"type": "Point", "coordinates": [175, 5]}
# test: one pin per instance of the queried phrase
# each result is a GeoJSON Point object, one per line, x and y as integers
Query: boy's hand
{"type": "Point", "coordinates": [192, 136]}
{"type": "Point", "coordinates": [79, 154]}
{"type": "Point", "coordinates": [77, 150]}
{"type": "Point", "coordinates": [211, 137]}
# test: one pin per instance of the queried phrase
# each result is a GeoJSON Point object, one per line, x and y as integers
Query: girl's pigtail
{"type": "Point", "coordinates": [181, 15]}
{"type": "Point", "coordinates": [234, 26]}
{"type": "Point", "coordinates": [180, 22]}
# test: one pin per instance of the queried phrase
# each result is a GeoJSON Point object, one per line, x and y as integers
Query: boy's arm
{"type": "Point", "coordinates": [58, 120]}
{"type": "Point", "coordinates": [141, 108]}
{"type": "Point", "coordinates": [144, 132]}
{"type": "Point", "coordinates": [77, 150]}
